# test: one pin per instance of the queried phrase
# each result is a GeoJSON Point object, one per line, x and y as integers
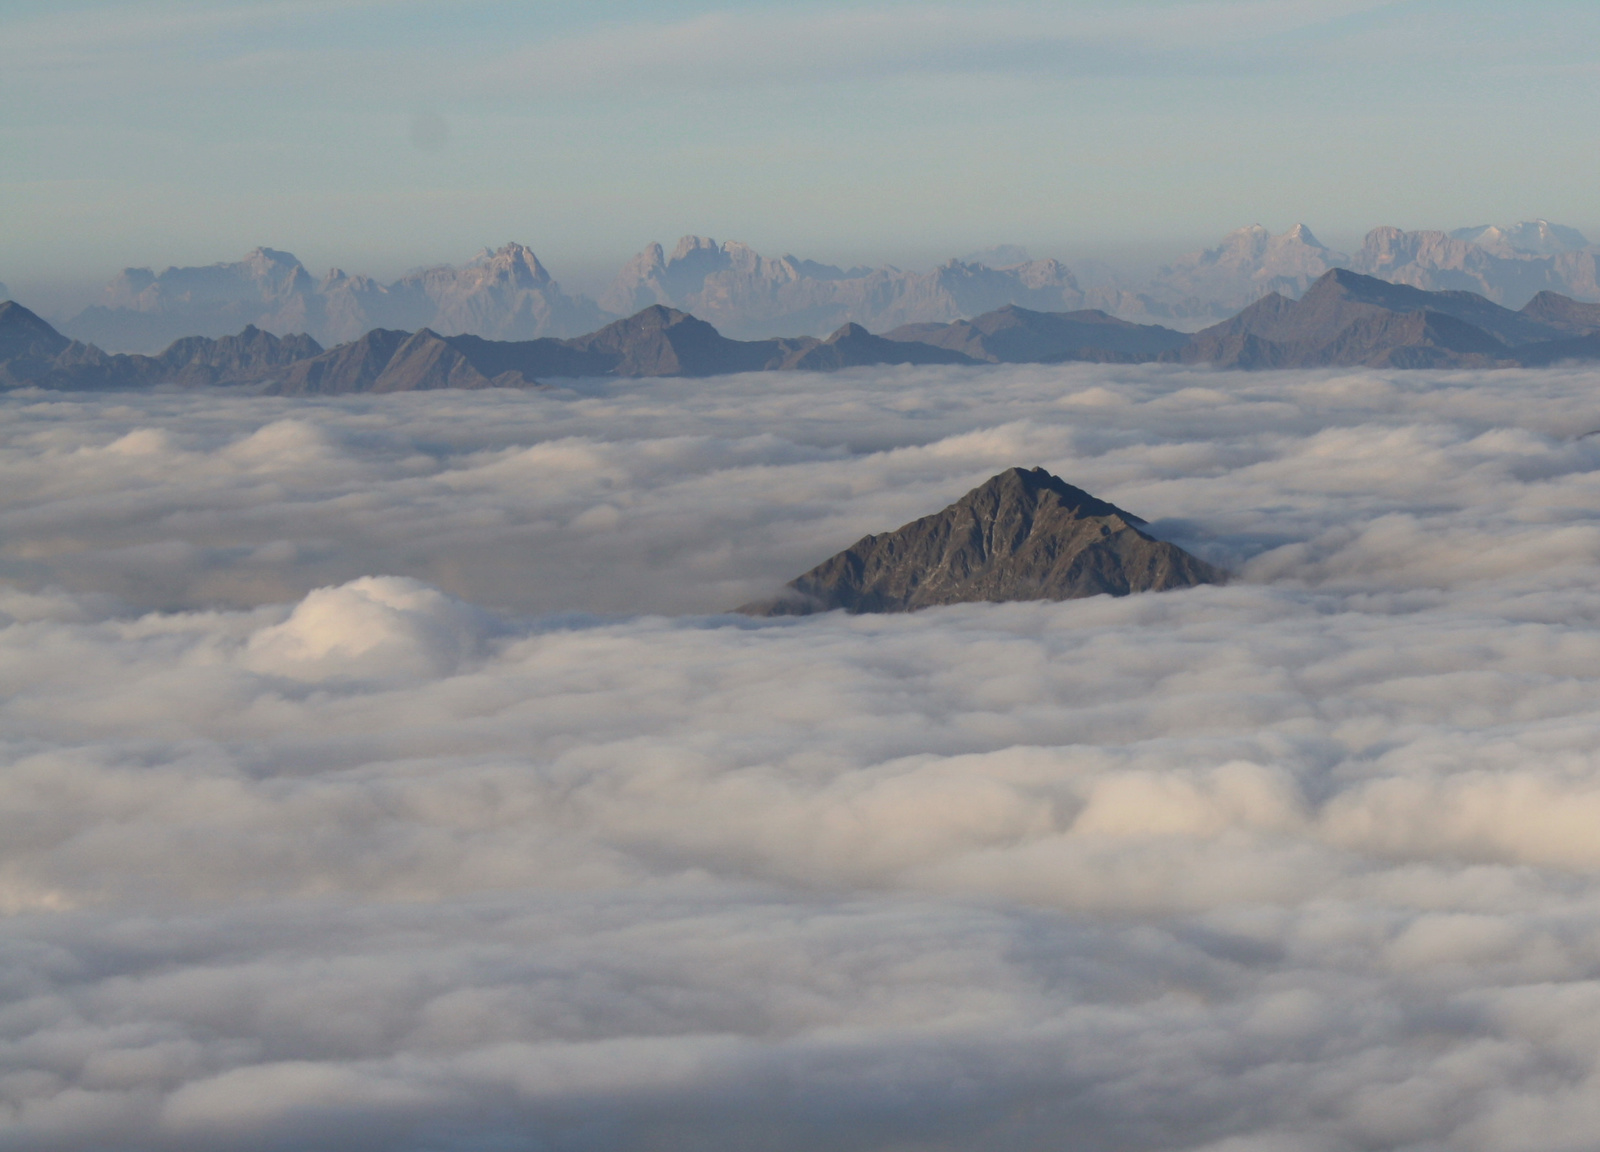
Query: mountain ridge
{"type": "Point", "coordinates": [509, 294]}
{"type": "Point", "coordinates": [1345, 318]}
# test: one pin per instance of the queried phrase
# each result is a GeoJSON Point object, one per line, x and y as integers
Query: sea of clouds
{"type": "Point", "coordinates": [386, 773]}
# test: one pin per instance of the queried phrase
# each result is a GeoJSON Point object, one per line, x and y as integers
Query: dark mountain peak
{"type": "Point", "coordinates": [1368, 290]}
{"type": "Point", "coordinates": [655, 318]}
{"type": "Point", "coordinates": [1031, 485]}
{"type": "Point", "coordinates": [28, 345]}
{"type": "Point", "coordinates": [352, 367]}
{"type": "Point", "coordinates": [25, 332]}
{"type": "Point", "coordinates": [1563, 312]}
{"type": "Point", "coordinates": [852, 346]}
{"type": "Point", "coordinates": [1016, 335]}
{"type": "Point", "coordinates": [1022, 535]}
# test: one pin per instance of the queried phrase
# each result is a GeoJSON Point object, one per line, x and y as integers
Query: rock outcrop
{"type": "Point", "coordinates": [1023, 535]}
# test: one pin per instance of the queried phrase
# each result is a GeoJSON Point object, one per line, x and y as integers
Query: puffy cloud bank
{"type": "Point", "coordinates": [378, 773]}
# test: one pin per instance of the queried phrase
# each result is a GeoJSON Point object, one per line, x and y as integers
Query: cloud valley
{"type": "Point", "coordinates": [381, 771]}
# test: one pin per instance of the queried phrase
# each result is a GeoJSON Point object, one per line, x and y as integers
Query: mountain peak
{"type": "Point", "coordinates": [516, 262]}
{"type": "Point", "coordinates": [692, 244]}
{"type": "Point", "coordinates": [1021, 535]}
{"type": "Point", "coordinates": [1300, 234]}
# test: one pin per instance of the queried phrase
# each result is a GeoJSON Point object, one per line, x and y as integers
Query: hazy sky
{"type": "Point", "coordinates": [380, 134]}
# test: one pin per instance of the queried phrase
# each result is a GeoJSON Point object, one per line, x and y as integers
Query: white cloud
{"type": "Point", "coordinates": [325, 856]}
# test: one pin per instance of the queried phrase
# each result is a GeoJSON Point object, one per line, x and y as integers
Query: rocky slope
{"type": "Point", "coordinates": [1023, 535]}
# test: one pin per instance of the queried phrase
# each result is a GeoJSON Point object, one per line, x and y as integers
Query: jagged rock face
{"type": "Point", "coordinates": [1024, 535]}
{"type": "Point", "coordinates": [501, 295]}
{"type": "Point", "coordinates": [743, 293]}
{"type": "Point", "coordinates": [1440, 261]}
{"type": "Point", "coordinates": [505, 294]}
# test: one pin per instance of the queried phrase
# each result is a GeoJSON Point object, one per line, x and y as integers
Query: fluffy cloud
{"type": "Point", "coordinates": [376, 778]}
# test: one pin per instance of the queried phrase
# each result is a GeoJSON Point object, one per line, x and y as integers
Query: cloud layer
{"type": "Point", "coordinates": [351, 848]}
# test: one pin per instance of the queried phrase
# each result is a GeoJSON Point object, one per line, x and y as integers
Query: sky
{"type": "Point", "coordinates": [378, 135]}
{"type": "Point", "coordinates": [385, 772]}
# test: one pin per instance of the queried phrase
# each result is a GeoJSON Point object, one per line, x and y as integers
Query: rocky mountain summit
{"type": "Point", "coordinates": [1023, 535]}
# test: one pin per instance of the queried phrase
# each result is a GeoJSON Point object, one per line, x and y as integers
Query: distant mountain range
{"type": "Point", "coordinates": [509, 295]}
{"type": "Point", "coordinates": [501, 295]}
{"type": "Point", "coordinates": [1344, 318]}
